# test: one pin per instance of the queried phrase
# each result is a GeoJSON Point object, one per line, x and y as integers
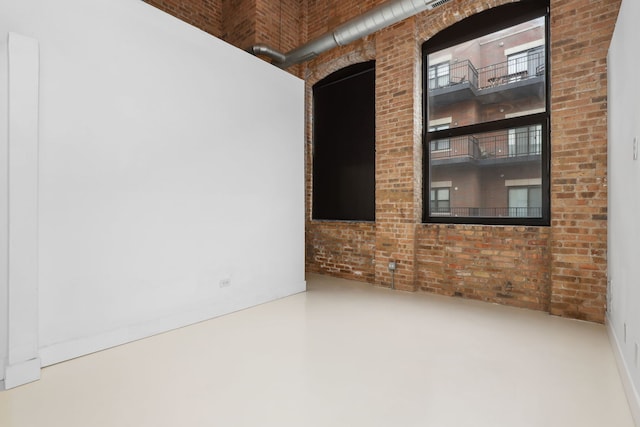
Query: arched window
{"type": "Point", "coordinates": [486, 106]}
{"type": "Point", "coordinates": [344, 145]}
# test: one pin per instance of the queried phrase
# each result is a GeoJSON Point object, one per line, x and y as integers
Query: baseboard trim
{"type": "Point", "coordinates": [22, 373]}
{"type": "Point", "coordinates": [633, 398]}
{"type": "Point", "coordinates": [61, 352]}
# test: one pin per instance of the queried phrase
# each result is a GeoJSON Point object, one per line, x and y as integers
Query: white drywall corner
{"type": "Point", "coordinates": [4, 202]}
{"type": "Point", "coordinates": [171, 174]}
{"type": "Point", "coordinates": [623, 251]}
{"type": "Point", "coordinates": [22, 362]}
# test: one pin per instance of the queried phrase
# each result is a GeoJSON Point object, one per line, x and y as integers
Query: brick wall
{"type": "Point", "coordinates": [204, 14]}
{"type": "Point", "coordinates": [341, 249]}
{"type": "Point", "coordinates": [507, 265]}
{"type": "Point", "coordinates": [325, 15]}
{"type": "Point", "coordinates": [243, 23]}
{"type": "Point", "coordinates": [398, 145]}
{"type": "Point", "coordinates": [581, 31]}
{"type": "Point", "coordinates": [562, 268]}
{"type": "Point", "coordinates": [330, 247]}
{"type": "Point", "coordinates": [281, 24]}
{"type": "Point", "coordinates": [239, 22]}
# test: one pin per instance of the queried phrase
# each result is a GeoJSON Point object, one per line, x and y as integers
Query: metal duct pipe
{"type": "Point", "coordinates": [376, 19]}
{"type": "Point", "coordinates": [264, 50]}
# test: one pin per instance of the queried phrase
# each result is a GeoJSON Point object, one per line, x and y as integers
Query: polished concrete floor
{"type": "Point", "coordinates": [341, 354]}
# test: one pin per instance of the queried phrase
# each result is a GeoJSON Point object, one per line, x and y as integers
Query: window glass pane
{"type": "Point", "coordinates": [525, 201]}
{"type": "Point", "coordinates": [442, 143]}
{"type": "Point", "coordinates": [525, 141]}
{"type": "Point", "coordinates": [492, 174]}
{"type": "Point", "coordinates": [497, 76]}
{"type": "Point", "coordinates": [517, 63]}
{"type": "Point", "coordinates": [518, 204]}
{"type": "Point", "coordinates": [439, 75]}
{"type": "Point", "coordinates": [535, 197]}
{"type": "Point", "coordinates": [440, 204]}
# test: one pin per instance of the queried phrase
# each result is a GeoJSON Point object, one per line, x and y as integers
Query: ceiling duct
{"type": "Point", "coordinates": [374, 20]}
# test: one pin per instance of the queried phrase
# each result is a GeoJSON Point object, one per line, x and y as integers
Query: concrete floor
{"type": "Point", "coordinates": [341, 354]}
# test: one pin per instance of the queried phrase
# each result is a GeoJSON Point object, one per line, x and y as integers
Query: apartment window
{"type": "Point", "coordinates": [524, 64]}
{"type": "Point", "coordinates": [525, 141]}
{"type": "Point", "coordinates": [439, 144]}
{"type": "Point", "coordinates": [439, 75]}
{"type": "Point", "coordinates": [517, 63]}
{"type": "Point", "coordinates": [499, 128]}
{"type": "Point", "coordinates": [440, 202]}
{"type": "Point", "coordinates": [344, 145]}
{"type": "Point", "coordinates": [525, 201]}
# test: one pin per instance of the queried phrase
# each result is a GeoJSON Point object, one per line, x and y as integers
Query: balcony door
{"type": "Point", "coordinates": [525, 201]}
{"type": "Point", "coordinates": [525, 141]}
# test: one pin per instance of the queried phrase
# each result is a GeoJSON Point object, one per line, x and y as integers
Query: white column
{"type": "Point", "coordinates": [22, 361]}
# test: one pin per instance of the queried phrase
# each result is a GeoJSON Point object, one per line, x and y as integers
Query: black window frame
{"type": "Point", "coordinates": [476, 26]}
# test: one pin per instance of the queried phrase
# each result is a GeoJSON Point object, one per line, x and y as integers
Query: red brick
{"type": "Point", "coordinates": [561, 268]}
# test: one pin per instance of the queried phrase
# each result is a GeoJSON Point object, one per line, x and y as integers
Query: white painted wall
{"type": "Point", "coordinates": [624, 197]}
{"type": "Point", "coordinates": [4, 204]}
{"type": "Point", "coordinates": [22, 349]}
{"type": "Point", "coordinates": [171, 165]}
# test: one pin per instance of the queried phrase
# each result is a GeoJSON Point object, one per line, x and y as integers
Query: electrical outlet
{"type": "Point", "coordinates": [225, 283]}
{"type": "Point", "coordinates": [392, 266]}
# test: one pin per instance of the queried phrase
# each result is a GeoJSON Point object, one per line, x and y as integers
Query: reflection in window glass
{"type": "Point", "coordinates": [525, 141]}
{"type": "Point", "coordinates": [440, 202]}
{"type": "Point", "coordinates": [493, 150]}
{"type": "Point", "coordinates": [442, 143]}
{"type": "Point", "coordinates": [439, 75]}
{"type": "Point", "coordinates": [525, 201]}
{"type": "Point", "coordinates": [491, 77]}
{"type": "Point", "coordinates": [483, 169]}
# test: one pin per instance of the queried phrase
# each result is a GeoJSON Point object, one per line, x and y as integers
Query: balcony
{"type": "Point", "coordinates": [505, 81]}
{"type": "Point", "coordinates": [497, 212]}
{"type": "Point", "coordinates": [459, 84]}
{"type": "Point", "coordinates": [511, 146]}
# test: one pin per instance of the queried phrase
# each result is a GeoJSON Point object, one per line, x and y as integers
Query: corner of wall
{"type": "Point", "coordinates": [22, 373]}
{"type": "Point", "coordinates": [633, 398]}
{"type": "Point", "coordinates": [4, 203]}
{"type": "Point", "coordinates": [22, 363]}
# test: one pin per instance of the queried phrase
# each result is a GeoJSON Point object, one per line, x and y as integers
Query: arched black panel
{"type": "Point", "coordinates": [344, 145]}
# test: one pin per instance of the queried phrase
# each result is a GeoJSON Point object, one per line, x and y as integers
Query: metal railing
{"type": "Point", "coordinates": [506, 144]}
{"type": "Point", "coordinates": [513, 70]}
{"type": "Point", "coordinates": [458, 147]}
{"type": "Point", "coordinates": [502, 73]}
{"type": "Point", "coordinates": [521, 212]}
{"type": "Point", "coordinates": [459, 72]}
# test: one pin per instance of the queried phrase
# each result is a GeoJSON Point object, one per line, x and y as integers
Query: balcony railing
{"type": "Point", "coordinates": [510, 144]}
{"type": "Point", "coordinates": [494, 75]}
{"type": "Point", "coordinates": [511, 71]}
{"type": "Point", "coordinates": [459, 72]}
{"type": "Point", "coordinates": [523, 212]}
